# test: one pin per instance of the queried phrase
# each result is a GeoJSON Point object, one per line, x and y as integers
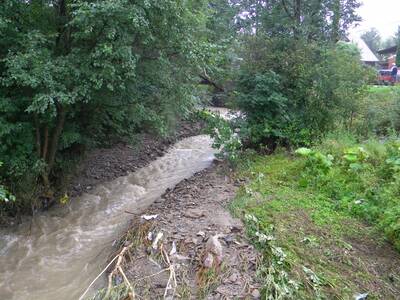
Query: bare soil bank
{"type": "Point", "coordinates": [206, 247]}
{"type": "Point", "coordinates": [105, 164]}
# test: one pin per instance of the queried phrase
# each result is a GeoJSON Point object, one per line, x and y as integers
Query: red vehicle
{"type": "Point", "coordinates": [385, 77]}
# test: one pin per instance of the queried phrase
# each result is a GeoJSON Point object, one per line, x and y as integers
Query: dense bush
{"type": "Point", "coordinates": [293, 91]}
{"type": "Point", "coordinates": [265, 106]}
{"type": "Point", "coordinates": [76, 74]}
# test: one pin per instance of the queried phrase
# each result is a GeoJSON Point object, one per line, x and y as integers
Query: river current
{"type": "Point", "coordinates": [56, 254]}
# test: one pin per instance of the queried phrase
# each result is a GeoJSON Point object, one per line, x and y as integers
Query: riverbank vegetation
{"type": "Point", "coordinates": [75, 75]}
{"type": "Point", "coordinates": [322, 222]}
{"type": "Point", "coordinates": [325, 211]}
{"type": "Point", "coordinates": [79, 74]}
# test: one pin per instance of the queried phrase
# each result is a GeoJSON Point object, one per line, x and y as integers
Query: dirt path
{"type": "Point", "coordinates": [213, 259]}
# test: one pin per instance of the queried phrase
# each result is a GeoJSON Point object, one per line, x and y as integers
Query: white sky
{"type": "Point", "coordinates": [384, 15]}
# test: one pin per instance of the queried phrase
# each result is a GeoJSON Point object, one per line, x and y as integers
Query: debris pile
{"type": "Point", "coordinates": [187, 245]}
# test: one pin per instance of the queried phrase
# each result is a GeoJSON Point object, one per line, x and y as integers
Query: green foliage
{"type": "Point", "coordinates": [318, 239]}
{"type": "Point", "coordinates": [316, 166]}
{"type": "Point", "coordinates": [224, 137]}
{"type": "Point", "coordinates": [316, 161]}
{"type": "Point", "coordinates": [314, 19]}
{"type": "Point", "coordinates": [296, 81]}
{"type": "Point", "coordinates": [77, 74]}
{"type": "Point", "coordinates": [378, 112]}
{"type": "Point", "coordinates": [315, 91]}
{"type": "Point", "coordinates": [363, 180]}
{"type": "Point", "coordinates": [264, 104]}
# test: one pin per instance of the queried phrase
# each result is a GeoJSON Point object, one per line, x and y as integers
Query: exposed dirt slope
{"type": "Point", "coordinates": [105, 164]}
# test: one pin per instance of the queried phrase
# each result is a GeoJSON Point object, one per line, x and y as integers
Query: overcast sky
{"type": "Point", "coordinates": [384, 15]}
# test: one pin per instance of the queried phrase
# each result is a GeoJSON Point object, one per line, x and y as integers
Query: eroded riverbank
{"type": "Point", "coordinates": [58, 253]}
{"type": "Point", "coordinates": [105, 164]}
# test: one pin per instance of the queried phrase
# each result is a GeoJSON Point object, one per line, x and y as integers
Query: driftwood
{"type": "Point", "coordinates": [97, 277]}
{"type": "Point", "coordinates": [170, 289]}
{"type": "Point", "coordinates": [118, 269]}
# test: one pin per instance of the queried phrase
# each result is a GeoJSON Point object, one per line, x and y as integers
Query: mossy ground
{"type": "Point", "coordinates": [329, 253]}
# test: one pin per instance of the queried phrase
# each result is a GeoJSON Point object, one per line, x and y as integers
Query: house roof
{"type": "Point", "coordinates": [366, 54]}
{"type": "Point", "coordinates": [390, 50]}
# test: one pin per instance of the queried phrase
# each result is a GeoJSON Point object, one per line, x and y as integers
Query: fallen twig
{"type": "Point", "coordinates": [98, 276]}
{"type": "Point", "coordinates": [152, 275]}
{"type": "Point", "coordinates": [118, 268]}
{"type": "Point", "coordinates": [172, 283]}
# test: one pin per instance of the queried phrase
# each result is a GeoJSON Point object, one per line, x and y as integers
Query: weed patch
{"type": "Point", "coordinates": [314, 246]}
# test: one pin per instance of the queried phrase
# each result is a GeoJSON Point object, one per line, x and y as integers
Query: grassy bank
{"type": "Point", "coordinates": [322, 220]}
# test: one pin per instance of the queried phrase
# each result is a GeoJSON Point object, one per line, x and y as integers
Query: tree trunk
{"type": "Point", "coordinates": [61, 113]}
{"type": "Point", "coordinates": [297, 18]}
{"type": "Point", "coordinates": [63, 44]}
{"type": "Point", "coordinates": [335, 36]}
{"type": "Point", "coordinates": [38, 136]}
{"type": "Point", "coordinates": [45, 143]}
{"type": "Point", "coordinates": [206, 80]}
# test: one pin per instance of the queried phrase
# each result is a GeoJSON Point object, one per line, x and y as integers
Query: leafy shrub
{"type": "Point", "coordinates": [295, 91]}
{"type": "Point", "coordinates": [378, 113]}
{"type": "Point", "coordinates": [316, 165]}
{"type": "Point", "coordinates": [364, 180]}
{"type": "Point", "coordinates": [224, 137]}
{"type": "Point", "coordinates": [316, 160]}
{"type": "Point", "coordinates": [264, 105]}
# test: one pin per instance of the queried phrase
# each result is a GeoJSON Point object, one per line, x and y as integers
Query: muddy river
{"type": "Point", "coordinates": [56, 254]}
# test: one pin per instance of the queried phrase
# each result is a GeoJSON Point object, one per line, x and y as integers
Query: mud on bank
{"type": "Point", "coordinates": [105, 164]}
{"type": "Point", "coordinates": [190, 231]}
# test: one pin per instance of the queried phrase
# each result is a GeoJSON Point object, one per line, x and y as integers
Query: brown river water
{"type": "Point", "coordinates": [56, 254]}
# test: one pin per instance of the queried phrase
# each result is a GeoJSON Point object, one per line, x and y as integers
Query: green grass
{"type": "Point", "coordinates": [383, 89]}
{"type": "Point", "coordinates": [315, 233]}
